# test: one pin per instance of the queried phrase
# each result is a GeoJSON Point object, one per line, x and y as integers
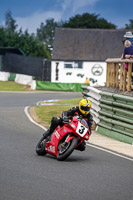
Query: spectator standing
{"type": "Point", "coordinates": [87, 80]}
{"type": "Point", "coordinates": [128, 54]}
{"type": "Point", "coordinates": [127, 44]}
{"type": "Point", "coordinates": [129, 36]}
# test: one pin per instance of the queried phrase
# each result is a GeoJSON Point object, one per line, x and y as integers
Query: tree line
{"type": "Point", "coordinates": [37, 44]}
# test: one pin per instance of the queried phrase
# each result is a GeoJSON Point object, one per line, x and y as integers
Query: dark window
{"type": "Point", "coordinates": [68, 65]}
{"type": "Point", "coordinates": [78, 64]}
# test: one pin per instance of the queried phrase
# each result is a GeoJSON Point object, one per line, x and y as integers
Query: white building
{"type": "Point", "coordinates": [81, 53]}
{"type": "Point", "coordinates": [76, 72]}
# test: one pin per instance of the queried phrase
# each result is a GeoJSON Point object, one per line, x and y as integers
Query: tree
{"type": "Point", "coordinates": [130, 25]}
{"type": "Point", "coordinates": [30, 44]}
{"type": "Point", "coordinates": [10, 23]}
{"type": "Point", "coordinates": [2, 36]}
{"type": "Point", "coordinates": [46, 31]}
{"type": "Point", "coordinates": [38, 45]}
{"type": "Point", "coordinates": [87, 20]}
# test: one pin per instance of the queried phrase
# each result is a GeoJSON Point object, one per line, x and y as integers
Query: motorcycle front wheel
{"type": "Point", "coordinates": [40, 148]}
{"type": "Point", "coordinates": [66, 150]}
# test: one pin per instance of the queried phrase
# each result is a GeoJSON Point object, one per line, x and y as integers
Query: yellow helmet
{"type": "Point", "coordinates": [84, 106]}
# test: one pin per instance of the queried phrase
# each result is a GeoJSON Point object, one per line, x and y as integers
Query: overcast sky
{"type": "Point", "coordinates": [30, 13]}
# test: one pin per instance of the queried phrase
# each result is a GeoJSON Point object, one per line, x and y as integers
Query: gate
{"type": "Point", "coordinates": [46, 76]}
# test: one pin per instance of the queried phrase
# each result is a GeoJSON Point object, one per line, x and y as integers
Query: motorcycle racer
{"type": "Point", "coordinates": [82, 110]}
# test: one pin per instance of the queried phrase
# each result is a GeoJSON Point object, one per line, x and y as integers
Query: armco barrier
{"type": "Point", "coordinates": [46, 85]}
{"type": "Point", "coordinates": [94, 96]}
{"type": "Point", "coordinates": [114, 114]}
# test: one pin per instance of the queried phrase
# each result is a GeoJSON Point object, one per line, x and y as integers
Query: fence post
{"type": "Point", "coordinates": [107, 75]}
{"type": "Point", "coordinates": [129, 77]}
{"type": "Point", "coordinates": [117, 76]}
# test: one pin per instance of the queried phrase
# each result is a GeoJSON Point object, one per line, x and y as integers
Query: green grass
{"type": "Point", "coordinates": [12, 86]}
{"type": "Point", "coordinates": [45, 113]}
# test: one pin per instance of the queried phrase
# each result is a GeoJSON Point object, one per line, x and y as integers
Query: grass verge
{"type": "Point", "coordinates": [12, 86]}
{"type": "Point", "coordinates": [45, 113]}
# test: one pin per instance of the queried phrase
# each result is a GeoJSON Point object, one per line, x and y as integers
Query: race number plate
{"type": "Point", "coordinates": [81, 129]}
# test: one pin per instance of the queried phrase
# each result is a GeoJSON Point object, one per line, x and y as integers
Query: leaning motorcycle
{"type": "Point", "coordinates": [64, 139]}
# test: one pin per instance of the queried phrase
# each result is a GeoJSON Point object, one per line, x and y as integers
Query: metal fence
{"type": "Point", "coordinates": [37, 67]}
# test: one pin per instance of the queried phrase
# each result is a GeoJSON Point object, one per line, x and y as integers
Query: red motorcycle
{"type": "Point", "coordinates": [64, 139]}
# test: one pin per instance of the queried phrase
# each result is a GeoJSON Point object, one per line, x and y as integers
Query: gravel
{"type": "Point", "coordinates": [115, 91]}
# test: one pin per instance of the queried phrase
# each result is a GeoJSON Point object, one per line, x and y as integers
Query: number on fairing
{"type": "Point", "coordinates": [81, 129]}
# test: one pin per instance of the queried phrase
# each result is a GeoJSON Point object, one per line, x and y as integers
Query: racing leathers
{"type": "Point", "coordinates": [75, 111]}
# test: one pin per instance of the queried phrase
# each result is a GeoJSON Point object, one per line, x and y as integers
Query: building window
{"type": "Point", "coordinates": [71, 65]}
{"type": "Point", "coordinates": [78, 64]}
{"type": "Point", "coordinates": [68, 65]}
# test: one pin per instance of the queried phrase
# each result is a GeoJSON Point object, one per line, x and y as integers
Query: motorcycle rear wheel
{"type": "Point", "coordinates": [63, 154]}
{"type": "Point", "coordinates": [40, 148]}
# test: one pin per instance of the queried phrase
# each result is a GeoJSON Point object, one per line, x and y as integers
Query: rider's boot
{"type": "Point", "coordinates": [82, 146]}
{"type": "Point", "coordinates": [48, 133]}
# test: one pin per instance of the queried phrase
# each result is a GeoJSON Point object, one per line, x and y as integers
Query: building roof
{"type": "Point", "coordinates": [87, 44]}
{"type": "Point", "coordinates": [5, 50]}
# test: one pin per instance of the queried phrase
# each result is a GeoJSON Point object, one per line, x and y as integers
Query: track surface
{"type": "Point", "coordinates": [93, 174]}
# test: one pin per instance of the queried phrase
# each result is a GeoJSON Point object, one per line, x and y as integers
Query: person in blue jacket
{"type": "Point", "coordinates": [128, 54]}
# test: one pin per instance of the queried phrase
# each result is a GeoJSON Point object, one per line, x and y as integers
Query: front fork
{"type": "Point", "coordinates": [70, 137]}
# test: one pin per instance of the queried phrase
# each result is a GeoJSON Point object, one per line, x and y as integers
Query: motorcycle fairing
{"type": "Point", "coordinates": [75, 127]}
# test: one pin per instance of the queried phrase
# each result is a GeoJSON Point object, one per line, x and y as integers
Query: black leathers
{"type": "Point", "coordinates": [75, 111]}
{"type": "Point", "coordinates": [70, 113]}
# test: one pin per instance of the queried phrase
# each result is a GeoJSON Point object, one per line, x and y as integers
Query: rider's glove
{"type": "Point", "coordinates": [65, 119]}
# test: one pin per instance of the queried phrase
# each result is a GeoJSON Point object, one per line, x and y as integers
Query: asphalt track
{"type": "Point", "coordinates": [93, 174]}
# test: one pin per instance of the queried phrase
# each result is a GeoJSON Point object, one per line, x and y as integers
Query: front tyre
{"type": "Point", "coordinates": [64, 152]}
{"type": "Point", "coordinates": [40, 148]}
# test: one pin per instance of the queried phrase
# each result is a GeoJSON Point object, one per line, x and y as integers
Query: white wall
{"type": "Point", "coordinates": [23, 79]}
{"type": "Point", "coordinates": [87, 71]}
{"type": "Point", "coordinates": [4, 76]}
